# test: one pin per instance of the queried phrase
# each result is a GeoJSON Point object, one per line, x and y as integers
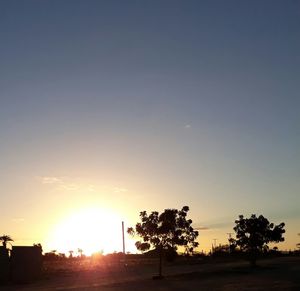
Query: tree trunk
{"type": "Point", "coordinates": [159, 276]}
{"type": "Point", "coordinates": [253, 262]}
{"type": "Point", "coordinates": [160, 263]}
{"type": "Point", "coordinates": [253, 257]}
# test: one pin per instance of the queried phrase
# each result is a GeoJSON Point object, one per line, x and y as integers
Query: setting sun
{"type": "Point", "coordinates": [89, 229]}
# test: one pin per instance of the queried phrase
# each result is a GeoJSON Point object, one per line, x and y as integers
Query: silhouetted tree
{"type": "Point", "coordinates": [61, 256]}
{"type": "Point", "coordinates": [51, 256]}
{"type": "Point", "coordinates": [5, 239]}
{"type": "Point", "coordinates": [165, 231]}
{"type": "Point", "coordinates": [298, 244]}
{"type": "Point", "coordinates": [221, 250]}
{"type": "Point", "coordinates": [80, 252]}
{"type": "Point", "coordinates": [253, 235]}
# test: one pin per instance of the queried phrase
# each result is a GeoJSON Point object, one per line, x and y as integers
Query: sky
{"type": "Point", "coordinates": [124, 106]}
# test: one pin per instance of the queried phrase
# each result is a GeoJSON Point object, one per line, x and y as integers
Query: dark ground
{"type": "Point", "coordinates": [272, 274]}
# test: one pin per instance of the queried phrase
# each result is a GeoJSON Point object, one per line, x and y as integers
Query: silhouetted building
{"type": "Point", "coordinates": [26, 263]}
{"type": "Point", "coordinates": [4, 264]}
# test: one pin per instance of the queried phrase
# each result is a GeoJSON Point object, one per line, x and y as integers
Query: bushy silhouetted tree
{"type": "Point", "coordinates": [253, 235]}
{"type": "Point", "coordinates": [221, 250]}
{"type": "Point", "coordinates": [165, 231]}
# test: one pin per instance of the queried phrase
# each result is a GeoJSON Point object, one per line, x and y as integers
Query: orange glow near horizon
{"type": "Point", "coordinates": [91, 229]}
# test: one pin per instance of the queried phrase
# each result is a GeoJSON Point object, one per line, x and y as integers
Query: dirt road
{"type": "Point", "coordinates": [275, 274]}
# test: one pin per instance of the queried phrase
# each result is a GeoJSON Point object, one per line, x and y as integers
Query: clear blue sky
{"type": "Point", "coordinates": [148, 105]}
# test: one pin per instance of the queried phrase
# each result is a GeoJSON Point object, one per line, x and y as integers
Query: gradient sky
{"type": "Point", "coordinates": [147, 105]}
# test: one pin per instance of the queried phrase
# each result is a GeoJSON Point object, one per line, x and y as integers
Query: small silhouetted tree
{"type": "Point", "coordinates": [5, 239]}
{"type": "Point", "coordinates": [221, 250]}
{"type": "Point", "coordinates": [298, 244]}
{"type": "Point", "coordinates": [80, 252]}
{"type": "Point", "coordinates": [253, 235]}
{"type": "Point", "coordinates": [164, 232]}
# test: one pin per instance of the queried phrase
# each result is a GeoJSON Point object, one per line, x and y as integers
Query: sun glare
{"type": "Point", "coordinates": [91, 229]}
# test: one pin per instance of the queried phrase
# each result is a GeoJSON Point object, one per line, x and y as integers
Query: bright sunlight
{"type": "Point", "coordinates": [90, 229]}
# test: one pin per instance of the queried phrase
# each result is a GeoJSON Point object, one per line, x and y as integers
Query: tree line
{"type": "Point", "coordinates": [166, 231]}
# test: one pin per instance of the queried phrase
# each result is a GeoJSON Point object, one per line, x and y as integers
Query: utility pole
{"type": "Point", "coordinates": [229, 240]}
{"type": "Point", "coordinates": [123, 237]}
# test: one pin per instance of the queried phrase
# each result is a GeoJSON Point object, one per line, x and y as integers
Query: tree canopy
{"type": "Point", "coordinates": [253, 234]}
{"type": "Point", "coordinates": [165, 230]}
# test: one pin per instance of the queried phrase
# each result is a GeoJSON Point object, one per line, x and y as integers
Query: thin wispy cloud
{"type": "Point", "coordinates": [18, 219]}
{"type": "Point", "coordinates": [91, 188]}
{"type": "Point", "coordinates": [70, 186]}
{"type": "Point", "coordinates": [120, 190]}
{"type": "Point", "coordinates": [213, 225]}
{"type": "Point", "coordinates": [60, 182]}
{"type": "Point", "coordinates": [50, 180]}
{"type": "Point", "coordinates": [201, 228]}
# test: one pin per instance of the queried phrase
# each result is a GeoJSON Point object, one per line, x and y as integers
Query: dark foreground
{"type": "Point", "coordinates": [272, 274]}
